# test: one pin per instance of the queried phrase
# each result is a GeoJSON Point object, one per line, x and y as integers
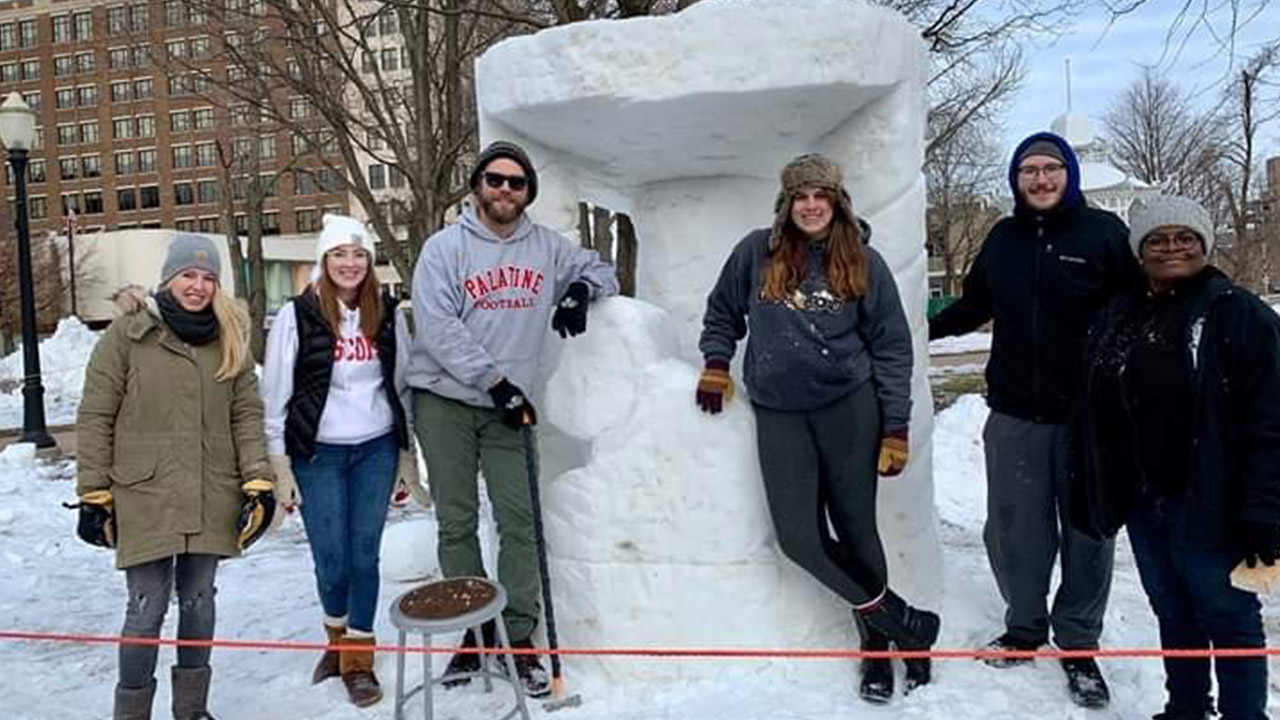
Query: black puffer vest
{"type": "Point", "coordinates": [313, 369]}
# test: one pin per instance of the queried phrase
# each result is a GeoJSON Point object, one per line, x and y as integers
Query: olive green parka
{"type": "Point", "coordinates": [170, 442]}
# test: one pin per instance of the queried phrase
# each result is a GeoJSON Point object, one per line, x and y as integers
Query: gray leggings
{"type": "Point", "coordinates": [150, 586]}
{"type": "Point", "coordinates": [820, 465]}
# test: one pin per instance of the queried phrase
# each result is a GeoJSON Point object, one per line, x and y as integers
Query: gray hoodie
{"type": "Point", "coordinates": [482, 304]}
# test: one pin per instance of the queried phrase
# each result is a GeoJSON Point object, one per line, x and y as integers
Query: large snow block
{"type": "Point", "coordinates": [683, 122]}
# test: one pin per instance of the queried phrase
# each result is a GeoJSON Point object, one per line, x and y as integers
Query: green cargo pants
{"type": "Point", "coordinates": [458, 440]}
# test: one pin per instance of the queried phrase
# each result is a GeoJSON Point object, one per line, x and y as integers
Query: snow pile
{"type": "Point", "coordinates": [63, 357]}
{"type": "Point", "coordinates": [971, 343]}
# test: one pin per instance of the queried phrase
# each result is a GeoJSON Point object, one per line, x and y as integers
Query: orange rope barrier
{"type": "Point", "coordinates": [694, 653]}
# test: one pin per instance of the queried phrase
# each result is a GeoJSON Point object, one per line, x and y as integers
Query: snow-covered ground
{"type": "Point", "coordinates": [971, 343]}
{"type": "Point", "coordinates": [54, 583]}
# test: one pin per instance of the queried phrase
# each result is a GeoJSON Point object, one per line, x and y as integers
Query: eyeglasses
{"type": "Point", "coordinates": [515, 182]}
{"type": "Point", "coordinates": [1169, 242]}
{"type": "Point", "coordinates": [1031, 171]}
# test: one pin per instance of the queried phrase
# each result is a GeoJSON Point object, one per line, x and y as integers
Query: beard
{"type": "Point", "coordinates": [502, 214]}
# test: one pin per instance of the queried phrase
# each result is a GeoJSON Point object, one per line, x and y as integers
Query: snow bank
{"type": "Point", "coordinates": [63, 357]}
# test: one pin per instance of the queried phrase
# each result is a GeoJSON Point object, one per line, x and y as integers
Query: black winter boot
{"type": "Point", "coordinates": [133, 703]}
{"type": "Point", "coordinates": [908, 627]}
{"type": "Point", "coordinates": [1085, 683]}
{"type": "Point", "coordinates": [919, 672]}
{"type": "Point", "coordinates": [191, 693]}
{"type": "Point", "coordinates": [466, 662]}
{"type": "Point", "coordinates": [876, 684]}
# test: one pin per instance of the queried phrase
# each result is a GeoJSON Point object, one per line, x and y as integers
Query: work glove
{"type": "Point", "coordinates": [406, 478]}
{"type": "Point", "coordinates": [286, 487]}
{"type": "Point", "coordinates": [571, 313]}
{"type": "Point", "coordinates": [715, 386]}
{"type": "Point", "coordinates": [1261, 542]}
{"type": "Point", "coordinates": [893, 453]}
{"type": "Point", "coordinates": [97, 523]}
{"type": "Point", "coordinates": [515, 407]}
{"type": "Point", "coordinates": [256, 513]}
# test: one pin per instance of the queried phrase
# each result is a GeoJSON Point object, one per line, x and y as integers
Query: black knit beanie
{"type": "Point", "coordinates": [511, 151]}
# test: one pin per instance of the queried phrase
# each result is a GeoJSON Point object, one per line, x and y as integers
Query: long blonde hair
{"type": "Point", "coordinates": [233, 331]}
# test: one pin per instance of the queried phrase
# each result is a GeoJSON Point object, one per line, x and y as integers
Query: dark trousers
{"type": "Point", "coordinates": [150, 587]}
{"type": "Point", "coordinates": [1191, 594]}
{"type": "Point", "coordinates": [1027, 528]}
{"type": "Point", "coordinates": [345, 492]}
{"type": "Point", "coordinates": [821, 464]}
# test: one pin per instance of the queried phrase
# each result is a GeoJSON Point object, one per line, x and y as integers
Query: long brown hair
{"type": "Point", "coordinates": [846, 260]}
{"type": "Point", "coordinates": [368, 300]}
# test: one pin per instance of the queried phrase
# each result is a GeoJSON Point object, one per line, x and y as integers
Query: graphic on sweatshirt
{"type": "Point", "coordinates": [820, 300]}
{"type": "Point", "coordinates": [354, 349]}
{"type": "Point", "coordinates": [519, 287]}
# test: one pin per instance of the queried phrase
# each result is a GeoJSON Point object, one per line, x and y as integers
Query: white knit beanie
{"type": "Point", "coordinates": [1145, 215]}
{"type": "Point", "coordinates": [341, 230]}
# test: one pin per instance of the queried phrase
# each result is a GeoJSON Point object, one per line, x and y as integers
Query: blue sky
{"type": "Point", "coordinates": [1105, 59]}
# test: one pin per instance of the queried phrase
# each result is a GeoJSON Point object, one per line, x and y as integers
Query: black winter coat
{"type": "Point", "coordinates": [1233, 352]}
{"type": "Point", "coordinates": [1042, 277]}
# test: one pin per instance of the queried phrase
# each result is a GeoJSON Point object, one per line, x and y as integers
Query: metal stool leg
{"type": "Point", "coordinates": [510, 660]}
{"type": "Point", "coordinates": [400, 677]}
{"type": "Point", "coordinates": [427, 678]}
{"type": "Point", "coordinates": [478, 633]}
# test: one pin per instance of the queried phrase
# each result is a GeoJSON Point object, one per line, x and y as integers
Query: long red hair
{"type": "Point", "coordinates": [368, 300]}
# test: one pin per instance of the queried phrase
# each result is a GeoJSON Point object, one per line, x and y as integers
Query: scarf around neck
{"type": "Point", "coordinates": [194, 328]}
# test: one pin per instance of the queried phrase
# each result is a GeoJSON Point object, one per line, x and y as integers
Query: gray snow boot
{"type": "Point", "coordinates": [191, 693]}
{"type": "Point", "coordinates": [133, 703]}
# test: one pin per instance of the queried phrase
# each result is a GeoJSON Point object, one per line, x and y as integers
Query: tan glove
{"type": "Point", "coordinates": [409, 481]}
{"type": "Point", "coordinates": [894, 453]}
{"type": "Point", "coordinates": [286, 489]}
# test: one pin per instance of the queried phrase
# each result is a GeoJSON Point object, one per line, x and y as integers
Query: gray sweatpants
{"type": "Point", "coordinates": [1026, 528]}
{"type": "Point", "coordinates": [821, 464]}
{"type": "Point", "coordinates": [150, 586]}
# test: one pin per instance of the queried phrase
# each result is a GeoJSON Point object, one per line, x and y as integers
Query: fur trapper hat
{"type": "Point", "coordinates": [810, 170]}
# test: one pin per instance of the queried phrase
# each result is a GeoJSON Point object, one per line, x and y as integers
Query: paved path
{"type": "Point", "coordinates": [64, 435]}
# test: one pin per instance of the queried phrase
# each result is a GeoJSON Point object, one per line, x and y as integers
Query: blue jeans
{"type": "Point", "coordinates": [345, 492]}
{"type": "Point", "coordinates": [1191, 594]}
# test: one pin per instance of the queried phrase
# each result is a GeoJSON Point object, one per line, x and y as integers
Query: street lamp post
{"type": "Point", "coordinates": [18, 133]}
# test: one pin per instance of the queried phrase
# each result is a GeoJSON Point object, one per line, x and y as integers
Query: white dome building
{"type": "Point", "coordinates": [1103, 185]}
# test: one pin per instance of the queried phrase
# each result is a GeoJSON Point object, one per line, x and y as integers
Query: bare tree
{"type": "Point", "coordinates": [1250, 103]}
{"type": "Point", "coordinates": [1156, 135]}
{"type": "Point", "coordinates": [964, 177]}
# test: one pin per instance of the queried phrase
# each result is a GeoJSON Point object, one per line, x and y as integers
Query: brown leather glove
{"type": "Point", "coordinates": [715, 386]}
{"type": "Point", "coordinates": [894, 452]}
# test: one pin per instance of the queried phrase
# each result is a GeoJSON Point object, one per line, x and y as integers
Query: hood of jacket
{"type": "Point", "coordinates": [1072, 196]}
{"type": "Point", "coordinates": [472, 224]}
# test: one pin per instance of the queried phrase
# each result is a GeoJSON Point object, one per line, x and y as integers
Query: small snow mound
{"type": "Point", "coordinates": [409, 551]}
{"type": "Point", "coordinates": [18, 454]}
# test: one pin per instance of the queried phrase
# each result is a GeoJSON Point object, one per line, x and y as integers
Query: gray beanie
{"type": "Point", "coordinates": [190, 251]}
{"type": "Point", "coordinates": [1043, 147]}
{"type": "Point", "coordinates": [1147, 214]}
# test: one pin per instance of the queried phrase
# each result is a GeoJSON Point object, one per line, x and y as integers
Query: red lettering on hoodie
{"type": "Point", "coordinates": [520, 286]}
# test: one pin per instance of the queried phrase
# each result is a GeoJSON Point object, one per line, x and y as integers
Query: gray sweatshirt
{"type": "Point", "coordinates": [482, 304]}
{"type": "Point", "coordinates": [815, 348]}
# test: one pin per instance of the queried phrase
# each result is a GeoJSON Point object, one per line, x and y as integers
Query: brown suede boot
{"type": "Point", "coordinates": [328, 666]}
{"type": "Point", "coordinates": [357, 672]}
{"type": "Point", "coordinates": [133, 703]}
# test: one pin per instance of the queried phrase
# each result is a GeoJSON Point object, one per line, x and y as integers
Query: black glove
{"type": "Point", "coordinates": [256, 513]}
{"type": "Point", "coordinates": [97, 523]}
{"type": "Point", "coordinates": [571, 313]}
{"type": "Point", "coordinates": [510, 400]}
{"type": "Point", "coordinates": [1261, 543]}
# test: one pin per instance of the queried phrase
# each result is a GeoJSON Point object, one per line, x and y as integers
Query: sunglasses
{"type": "Point", "coordinates": [515, 182]}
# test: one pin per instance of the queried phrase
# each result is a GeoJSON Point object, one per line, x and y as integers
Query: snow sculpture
{"type": "Point", "coordinates": [662, 537]}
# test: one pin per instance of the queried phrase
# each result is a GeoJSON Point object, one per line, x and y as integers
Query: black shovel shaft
{"type": "Point", "coordinates": [544, 570]}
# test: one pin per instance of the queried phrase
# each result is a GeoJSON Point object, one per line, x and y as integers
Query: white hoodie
{"type": "Point", "coordinates": [356, 408]}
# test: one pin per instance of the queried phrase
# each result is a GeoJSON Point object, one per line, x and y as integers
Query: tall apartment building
{"type": "Point", "coordinates": [130, 124]}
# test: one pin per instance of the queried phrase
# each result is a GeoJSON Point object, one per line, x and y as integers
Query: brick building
{"type": "Point", "coordinates": [132, 128]}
